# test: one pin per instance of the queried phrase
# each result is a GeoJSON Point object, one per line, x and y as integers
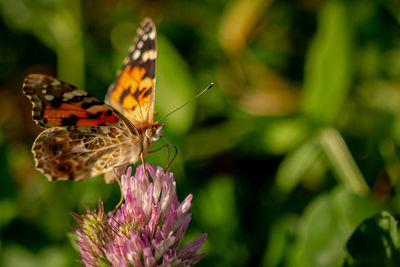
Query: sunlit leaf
{"type": "Point", "coordinates": [218, 213]}
{"type": "Point", "coordinates": [175, 86]}
{"type": "Point", "coordinates": [18, 257]}
{"type": "Point", "coordinates": [283, 135]}
{"type": "Point", "coordinates": [210, 141]}
{"type": "Point", "coordinates": [217, 203]}
{"type": "Point", "coordinates": [47, 257]}
{"type": "Point", "coordinates": [279, 241]}
{"type": "Point", "coordinates": [56, 24]}
{"type": "Point", "coordinates": [296, 164]}
{"type": "Point", "coordinates": [342, 161]}
{"type": "Point", "coordinates": [326, 225]}
{"type": "Point", "coordinates": [328, 66]}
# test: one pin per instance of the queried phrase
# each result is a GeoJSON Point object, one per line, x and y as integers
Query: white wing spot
{"type": "Point", "coordinates": [70, 95]}
{"type": "Point", "coordinates": [149, 55]}
{"type": "Point", "coordinates": [140, 44]}
{"type": "Point", "coordinates": [55, 83]}
{"type": "Point", "coordinates": [136, 55]}
{"type": "Point", "coordinates": [152, 35]}
{"type": "Point", "coordinates": [49, 97]}
{"type": "Point", "coordinates": [144, 37]}
{"type": "Point", "coordinates": [44, 91]}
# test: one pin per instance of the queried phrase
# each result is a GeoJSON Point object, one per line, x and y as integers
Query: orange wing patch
{"type": "Point", "coordinates": [133, 89]}
{"type": "Point", "coordinates": [133, 93]}
{"type": "Point", "coordinates": [72, 114]}
{"type": "Point", "coordinates": [54, 115]}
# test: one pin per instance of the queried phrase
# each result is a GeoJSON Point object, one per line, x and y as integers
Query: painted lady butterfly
{"type": "Point", "coordinates": [86, 137]}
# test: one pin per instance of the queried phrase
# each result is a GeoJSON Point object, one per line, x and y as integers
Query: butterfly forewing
{"type": "Point", "coordinates": [57, 103]}
{"type": "Point", "coordinates": [133, 93]}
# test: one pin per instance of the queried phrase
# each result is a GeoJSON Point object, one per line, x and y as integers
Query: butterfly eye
{"type": "Point", "coordinates": [150, 133]}
{"type": "Point", "coordinates": [154, 133]}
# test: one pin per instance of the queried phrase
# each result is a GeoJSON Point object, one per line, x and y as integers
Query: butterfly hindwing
{"type": "Point", "coordinates": [133, 93]}
{"type": "Point", "coordinates": [56, 103]}
{"type": "Point", "coordinates": [75, 153]}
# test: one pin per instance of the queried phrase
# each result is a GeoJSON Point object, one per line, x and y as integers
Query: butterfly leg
{"type": "Point", "coordinates": [110, 177]}
{"type": "Point", "coordinates": [122, 195]}
{"type": "Point", "coordinates": [142, 158]}
{"type": "Point", "coordinates": [117, 172]}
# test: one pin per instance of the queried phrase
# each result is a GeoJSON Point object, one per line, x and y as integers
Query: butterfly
{"type": "Point", "coordinates": [86, 137]}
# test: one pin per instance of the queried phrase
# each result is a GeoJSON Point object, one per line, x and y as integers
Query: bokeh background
{"type": "Point", "coordinates": [291, 157]}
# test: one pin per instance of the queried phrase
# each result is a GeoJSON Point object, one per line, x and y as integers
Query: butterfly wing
{"type": "Point", "coordinates": [85, 136]}
{"type": "Point", "coordinates": [133, 93]}
{"type": "Point", "coordinates": [76, 153]}
{"type": "Point", "coordinates": [56, 103]}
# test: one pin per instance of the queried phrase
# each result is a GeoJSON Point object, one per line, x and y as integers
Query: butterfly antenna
{"type": "Point", "coordinates": [176, 151]}
{"type": "Point", "coordinates": [190, 101]}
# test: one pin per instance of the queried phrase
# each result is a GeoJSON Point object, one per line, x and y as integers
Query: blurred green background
{"type": "Point", "coordinates": [291, 157]}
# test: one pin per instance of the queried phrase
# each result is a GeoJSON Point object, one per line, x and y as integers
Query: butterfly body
{"type": "Point", "coordinates": [85, 136]}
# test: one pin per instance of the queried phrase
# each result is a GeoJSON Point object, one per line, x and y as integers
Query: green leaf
{"type": "Point", "coordinates": [328, 65]}
{"type": "Point", "coordinates": [57, 24]}
{"type": "Point", "coordinates": [175, 86]}
{"type": "Point", "coordinates": [285, 134]}
{"type": "Point", "coordinates": [342, 162]}
{"type": "Point", "coordinates": [296, 164]}
{"type": "Point", "coordinates": [375, 242]}
{"type": "Point", "coordinates": [18, 256]}
{"type": "Point", "coordinates": [279, 239]}
{"type": "Point", "coordinates": [207, 142]}
{"type": "Point", "coordinates": [327, 224]}
{"type": "Point", "coordinates": [14, 255]}
{"type": "Point", "coordinates": [216, 204]}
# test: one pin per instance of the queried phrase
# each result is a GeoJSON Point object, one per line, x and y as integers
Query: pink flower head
{"type": "Point", "coordinates": [145, 231]}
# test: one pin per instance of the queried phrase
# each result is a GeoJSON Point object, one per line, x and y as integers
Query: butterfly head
{"type": "Point", "coordinates": [154, 132]}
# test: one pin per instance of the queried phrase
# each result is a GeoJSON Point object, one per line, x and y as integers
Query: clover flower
{"type": "Point", "coordinates": [147, 228]}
